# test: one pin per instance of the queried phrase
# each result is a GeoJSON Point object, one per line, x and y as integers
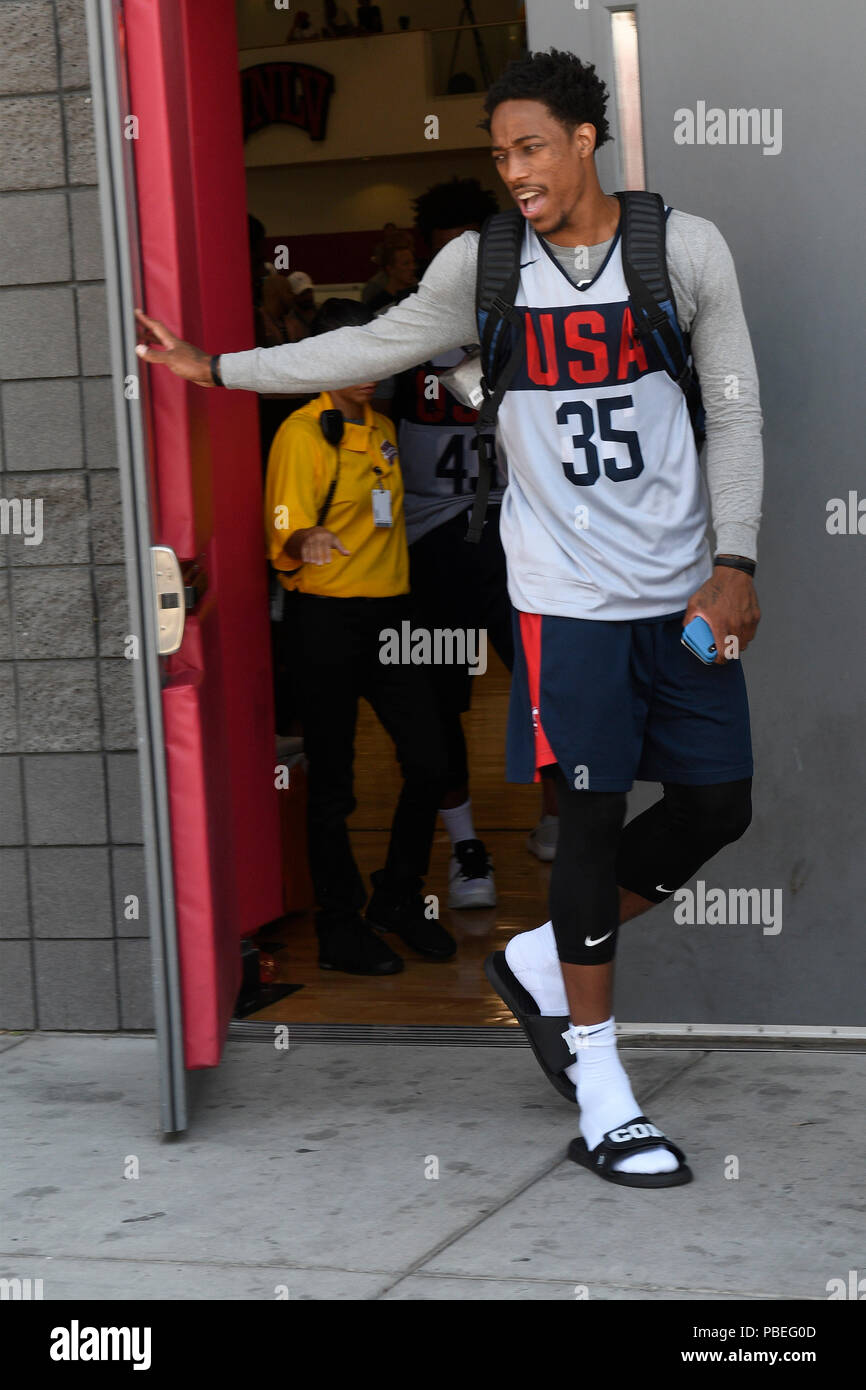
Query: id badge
{"type": "Point", "coordinates": [381, 507]}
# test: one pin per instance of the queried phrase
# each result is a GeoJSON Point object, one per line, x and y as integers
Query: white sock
{"type": "Point", "coordinates": [532, 957]}
{"type": "Point", "coordinates": [603, 1091]}
{"type": "Point", "coordinates": [606, 1099]}
{"type": "Point", "coordinates": [458, 822]}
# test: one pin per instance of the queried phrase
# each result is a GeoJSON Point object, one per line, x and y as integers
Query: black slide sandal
{"type": "Point", "coordinates": [638, 1134]}
{"type": "Point", "coordinates": [544, 1033]}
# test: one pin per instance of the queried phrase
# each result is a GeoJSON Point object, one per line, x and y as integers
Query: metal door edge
{"type": "Point", "coordinates": [122, 271]}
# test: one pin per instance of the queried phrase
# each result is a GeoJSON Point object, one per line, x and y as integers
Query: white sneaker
{"type": "Point", "coordinates": [470, 876]}
{"type": "Point", "coordinates": [541, 840]}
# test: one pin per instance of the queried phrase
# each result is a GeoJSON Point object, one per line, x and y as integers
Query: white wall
{"type": "Point", "coordinates": [259, 23]}
{"type": "Point", "coordinates": [360, 123]}
{"type": "Point", "coordinates": [356, 195]}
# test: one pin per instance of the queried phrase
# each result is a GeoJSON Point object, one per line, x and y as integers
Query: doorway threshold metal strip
{"type": "Point", "coordinates": [379, 1034]}
{"type": "Point", "coordinates": [734, 1036]}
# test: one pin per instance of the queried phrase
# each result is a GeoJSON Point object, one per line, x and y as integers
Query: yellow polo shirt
{"type": "Point", "coordinates": [301, 467]}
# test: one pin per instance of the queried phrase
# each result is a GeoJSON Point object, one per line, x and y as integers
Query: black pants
{"type": "Point", "coordinates": [332, 649]}
{"type": "Point", "coordinates": [458, 585]}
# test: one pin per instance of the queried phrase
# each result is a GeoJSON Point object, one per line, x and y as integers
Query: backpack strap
{"type": "Point", "coordinates": [496, 285]}
{"type": "Point", "coordinates": [497, 282]}
{"type": "Point", "coordinates": [645, 266]}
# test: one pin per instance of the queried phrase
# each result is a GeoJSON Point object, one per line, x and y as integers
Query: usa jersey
{"type": "Point", "coordinates": [438, 448]}
{"type": "Point", "coordinates": [606, 511]}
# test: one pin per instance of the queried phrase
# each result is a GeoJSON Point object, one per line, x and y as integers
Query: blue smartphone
{"type": "Point", "coordinates": [698, 637]}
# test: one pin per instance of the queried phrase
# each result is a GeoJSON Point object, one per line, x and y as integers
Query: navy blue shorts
{"type": "Point", "coordinates": [625, 701]}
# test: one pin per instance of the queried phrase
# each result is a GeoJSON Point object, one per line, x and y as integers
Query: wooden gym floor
{"type": "Point", "coordinates": [455, 992]}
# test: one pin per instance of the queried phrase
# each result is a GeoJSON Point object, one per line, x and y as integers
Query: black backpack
{"type": "Point", "coordinates": [501, 326]}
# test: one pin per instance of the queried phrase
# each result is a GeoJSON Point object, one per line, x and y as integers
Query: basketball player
{"type": "Point", "coordinates": [604, 691]}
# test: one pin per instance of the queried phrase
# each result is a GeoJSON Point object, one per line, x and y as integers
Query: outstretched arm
{"type": "Point", "coordinates": [438, 316]}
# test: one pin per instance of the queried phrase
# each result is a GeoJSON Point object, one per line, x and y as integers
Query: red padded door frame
{"type": "Point", "coordinates": [217, 699]}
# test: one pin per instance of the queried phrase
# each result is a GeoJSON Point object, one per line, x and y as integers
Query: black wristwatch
{"type": "Point", "coordinates": [215, 372]}
{"type": "Point", "coordinates": [736, 562]}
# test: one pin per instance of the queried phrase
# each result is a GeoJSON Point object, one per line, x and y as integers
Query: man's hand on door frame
{"type": "Point", "coordinates": [182, 358]}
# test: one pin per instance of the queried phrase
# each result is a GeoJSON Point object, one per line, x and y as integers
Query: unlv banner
{"type": "Point", "coordinates": [286, 94]}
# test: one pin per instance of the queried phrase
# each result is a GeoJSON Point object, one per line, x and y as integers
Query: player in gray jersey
{"type": "Point", "coordinates": [604, 691]}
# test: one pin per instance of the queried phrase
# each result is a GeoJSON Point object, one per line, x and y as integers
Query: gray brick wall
{"type": "Point", "coordinates": [73, 947]}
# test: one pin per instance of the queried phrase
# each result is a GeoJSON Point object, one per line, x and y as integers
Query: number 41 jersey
{"type": "Point", "coordinates": [605, 515]}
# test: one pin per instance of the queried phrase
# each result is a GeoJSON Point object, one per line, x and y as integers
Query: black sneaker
{"type": "Point", "coordinates": [406, 914]}
{"type": "Point", "coordinates": [351, 946]}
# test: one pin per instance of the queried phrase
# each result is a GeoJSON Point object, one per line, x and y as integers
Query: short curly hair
{"type": "Point", "coordinates": [339, 313]}
{"type": "Point", "coordinates": [455, 203]}
{"type": "Point", "coordinates": [571, 90]}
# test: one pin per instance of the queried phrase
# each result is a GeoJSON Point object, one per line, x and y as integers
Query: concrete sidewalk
{"type": "Point", "coordinates": [306, 1170]}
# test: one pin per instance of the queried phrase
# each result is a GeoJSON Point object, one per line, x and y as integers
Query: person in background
{"type": "Point", "coordinates": [369, 19]}
{"type": "Point", "coordinates": [259, 271]}
{"type": "Point", "coordinates": [456, 585]}
{"type": "Point", "coordinates": [346, 576]}
{"type": "Point", "coordinates": [338, 24]}
{"type": "Point", "coordinates": [273, 311]}
{"type": "Point", "coordinates": [377, 282]}
{"type": "Point", "coordinates": [277, 312]}
{"type": "Point", "coordinates": [303, 309]}
{"type": "Point", "coordinates": [273, 300]}
{"type": "Point", "coordinates": [302, 28]}
{"type": "Point", "coordinates": [401, 276]}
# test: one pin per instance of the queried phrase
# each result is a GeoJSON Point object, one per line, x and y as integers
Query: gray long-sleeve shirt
{"type": "Point", "coordinates": [441, 316]}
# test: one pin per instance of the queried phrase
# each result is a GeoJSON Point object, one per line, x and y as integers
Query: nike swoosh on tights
{"type": "Point", "coordinates": [587, 941]}
{"type": "Point", "coordinates": [660, 888]}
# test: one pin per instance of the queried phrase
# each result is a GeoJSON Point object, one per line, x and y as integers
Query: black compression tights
{"type": "Point", "coordinates": [656, 853]}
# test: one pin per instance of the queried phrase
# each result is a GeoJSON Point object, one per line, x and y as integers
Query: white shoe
{"type": "Point", "coordinates": [470, 876]}
{"type": "Point", "coordinates": [541, 840]}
